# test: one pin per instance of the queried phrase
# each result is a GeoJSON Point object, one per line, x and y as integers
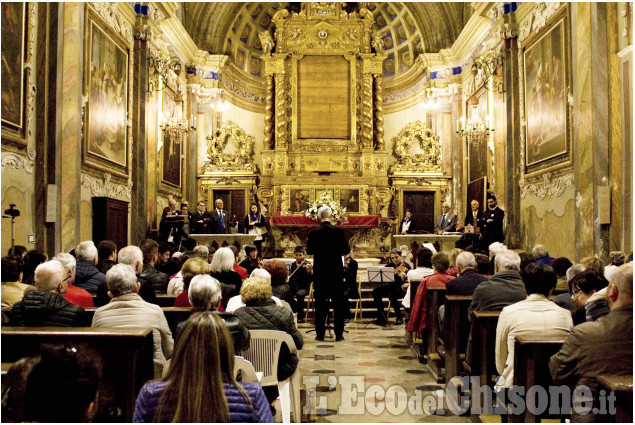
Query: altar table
{"type": "Point", "coordinates": [446, 242]}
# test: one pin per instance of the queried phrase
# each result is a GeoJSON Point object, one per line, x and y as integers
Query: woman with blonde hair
{"type": "Point", "coordinates": [222, 269]}
{"type": "Point", "coordinates": [200, 385]}
{"type": "Point", "coordinates": [192, 267]}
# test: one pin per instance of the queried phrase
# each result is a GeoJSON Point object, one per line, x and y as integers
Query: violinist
{"type": "Point", "coordinates": [251, 262]}
{"type": "Point", "coordinates": [351, 291]}
{"type": "Point", "coordinates": [392, 290]}
{"type": "Point", "coordinates": [300, 277]}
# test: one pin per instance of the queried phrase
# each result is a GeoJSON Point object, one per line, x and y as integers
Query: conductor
{"type": "Point", "coordinates": [328, 245]}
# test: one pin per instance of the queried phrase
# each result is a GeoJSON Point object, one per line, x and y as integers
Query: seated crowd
{"type": "Point", "coordinates": [125, 286]}
{"type": "Point", "coordinates": [588, 304]}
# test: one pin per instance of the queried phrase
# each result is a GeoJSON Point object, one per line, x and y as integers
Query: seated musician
{"type": "Point", "coordinates": [251, 262]}
{"type": "Point", "coordinates": [351, 290]}
{"type": "Point", "coordinates": [300, 279]}
{"type": "Point", "coordinates": [392, 290]}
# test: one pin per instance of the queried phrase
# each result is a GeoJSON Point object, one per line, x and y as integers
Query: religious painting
{"type": "Point", "coordinates": [107, 87]}
{"type": "Point", "coordinates": [477, 153]}
{"type": "Point", "coordinates": [321, 192]}
{"type": "Point", "coordinates": [171, 155]}
{"type": "Point", "coordinates": [349, 199]}
{"type": "Point", "coordinates": [298, 200]}
{"type": "Point", "coordinates": [12, 47]}
{"type": "Point", "coordinates": [546, 87]}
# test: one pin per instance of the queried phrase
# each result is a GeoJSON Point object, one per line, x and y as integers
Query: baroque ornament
{"type": "Point", "coordinates": [239, 157]}
{"type": "Point", "coordinates": [104, 187]}
{"type": "Point", "coordinates": [541, 13]}
{"type": "Point", "coordinates": [547, 188]}
{"type": "Point", "coordinates": [427, 159]}
{"type": "Point", "coordinates": [18, 162]}
{"type": "Point", "coordinates": [109, 11]}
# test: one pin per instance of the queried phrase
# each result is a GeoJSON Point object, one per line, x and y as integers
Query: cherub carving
{"type": "Point", "coordinates": [266, 41]}
{"type": "Point", "coordinates": [378, 44]}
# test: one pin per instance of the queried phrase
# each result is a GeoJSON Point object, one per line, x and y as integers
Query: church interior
{"type": "Point", "coordinates": [112, 111]}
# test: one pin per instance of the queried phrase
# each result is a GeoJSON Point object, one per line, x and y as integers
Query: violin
{"type": "Point", "coordinates": [256, 263]}
{"type": "Point", "coordinates": [305, 263]}
{"type": "Point", "coordinates": [402, 271]}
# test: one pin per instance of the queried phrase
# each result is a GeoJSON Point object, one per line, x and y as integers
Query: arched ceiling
{"type": "Point", "coordinates": [408, 29]}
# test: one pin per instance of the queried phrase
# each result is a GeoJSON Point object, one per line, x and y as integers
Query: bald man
{"type": "Point", "coordinates": [46, 306]}
{"type": "Point", "coordinates": [603, 347]}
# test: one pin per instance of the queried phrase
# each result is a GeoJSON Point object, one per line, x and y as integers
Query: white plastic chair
{"type": "Point", "coordinates": [249, 374]}
{"type": "Point", "coordinates": [263, 353]}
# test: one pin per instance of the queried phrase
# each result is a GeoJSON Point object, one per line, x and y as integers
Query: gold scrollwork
{"type": "Point", "coordinates": [268, 137]}
{"type": "Point", "coordinates": [242, 155]}
{"type": "Point", "coordinates": [427, 159]}
{"type": "Point", "coordinates": [379, 113]}
{"type": "Point", "coordinates": [281, 112]}
{"type": "Point", "coordinates": [367, 111]}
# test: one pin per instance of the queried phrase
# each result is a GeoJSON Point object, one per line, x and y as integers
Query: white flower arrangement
{"type": "Point", "coordinates": [339, 213]}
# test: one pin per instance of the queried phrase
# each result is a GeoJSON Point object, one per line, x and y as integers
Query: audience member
{"type": "Point", "coordinates": [440, 264]}
{"type": "Point", "coordinates": [200, 384]}
{"type": "Point", "coordinates": [150, 250]}
{"type": "Point", "coordinates": [12, 288]}
{"type": "Point", "coordinates": [242, 272]}
{"type": "Point", "coordinates": [505, 287]}
{"type": "Point", "coordinates": [201, 251]}
{"type": "Point", "coordinates": [175, 285]}
{"type": "Point", "coordinates": [300, 277]}
{"type": "Point", "coordinates": [280, 288]}
{"type": "Point", "coordinates": [210, 256]}
{"type": "Point", "coordinates": [453, 270]}
{"type": "Point", "coordinates": [63, 385]}
{"type": "Point", "coordinates": [14, 388]}
{"type": "Point", "coordinates": [535, 316]}
{"type": "Point", "coordinates": [565, 299]}
{"type": "Point", "coordinates": [18, 251]}
{"type": "Point", "coordinates": [261, 312]}
{"type": "Point", "coordinates": [541, 255]}
{"type": "Point", "coordinates": [593, 263]}
{"type": "Point", "coordinates": [204, 294]}
{"type": "Point", "coordinates": [188, 244]}
{"type": "Point", "coordinates": [74, 295]}
{"type": "Point", "coordinates": [222, 268]}
{"type": "Point", "coordinates": [602, 347]}
{"type": "Point", "coordinates": [192, 267]}
{"type": "Point", "coordinates": [87, 275]}
{"type": "Point", "coordinates": [525, 259]}
{"type": "Point", "coordinates": [482, 264]}
{"type": "Point", "coordinates": [493, 249]}
{"type": "Point", "coordinates": [128, 310]}
{"type": "Point", "coordinates": [32, 259]}
{"type": "Point", "coordinates": [251, 262]}
{"type": "Point", "coordinates": [616, 259]}
{"type": "Point", "coordinates": [560, 266]}
{"type": "Point", "coordinates": [236, 301]}
{"type": "Point", "coordinates": [468, 278]}
{"type": "Point", "coordinates": [423, 269]}
{"type": "Point", "coordinates": [163, 257]}
{"type": "Point", "coordinates": [588, 291]}
{"type": "Point", "coordinates": [107, 255]}
{"type": "Point", "coordinates": [46, 306]}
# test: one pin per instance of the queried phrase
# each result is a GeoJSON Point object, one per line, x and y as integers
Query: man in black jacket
{"type": "Point", "coordinates": [150, 249]}
{"type": "Point", "coordinates": [473, 218]}
{"type": "Point", "coordinates": [300, 277]}
{"type": "Point", "coordinates": [493, 222]}
{"type": "Point", "coordinates": [328, 245]}
{"type": "Point", "coordinates": [201, 221]}
{"type": "Point", "coordinates": [46, 306]}
{"type": "Point", "coordinates": [219, 218]}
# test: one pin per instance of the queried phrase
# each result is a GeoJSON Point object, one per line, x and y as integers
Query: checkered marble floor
{"type": "Point", "coordinates": [379, 360]}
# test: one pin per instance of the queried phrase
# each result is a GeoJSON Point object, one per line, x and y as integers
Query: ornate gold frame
{"type": "Point", "coordinates": [364, 198]}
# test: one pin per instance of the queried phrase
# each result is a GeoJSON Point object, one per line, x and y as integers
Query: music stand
{"type": "Point", "coordinates": [172, 222]}
{"type": "Point", "coordinates": [381, 275]}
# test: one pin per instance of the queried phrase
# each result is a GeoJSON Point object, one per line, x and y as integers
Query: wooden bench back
{"type": "Point", "coordinates": [457, 331]}
{"type": "Point", "coordinates": [126, 355]}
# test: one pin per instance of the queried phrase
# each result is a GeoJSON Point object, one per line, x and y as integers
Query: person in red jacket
{"type": "Point", "coordinates": [74, 295]}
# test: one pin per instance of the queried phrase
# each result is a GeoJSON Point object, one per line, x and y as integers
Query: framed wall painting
{"type": "Point", "coordinates": [546, 78]}
{"type": "Point", "coordinates": [13, 50]}
{"type": "Point", "coordinates": [299, 200]}
{"type": "Point", "coordinates": [172, 146]}
{"type": "Point", "coordinates": [349, 199]}
{"type": "Point", "coordinates": [106, 81]}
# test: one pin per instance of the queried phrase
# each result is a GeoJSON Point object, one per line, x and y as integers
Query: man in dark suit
{"type": "Point", "coordinates": [328, 244]}
{"type": "Point", "coordinates": [446, 222]}
{"type": "Point", "coordinates": [220, 218]}
{"type": "Point", "coordinates": [200, 221]}
{"type": "Point", "coordinates": [493, 222]}
{"type": "Point", "coordinates": [473, 218]}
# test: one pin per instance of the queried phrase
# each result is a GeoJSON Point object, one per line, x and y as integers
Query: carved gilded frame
{"type": "Point", "coordinates": [312, 190]}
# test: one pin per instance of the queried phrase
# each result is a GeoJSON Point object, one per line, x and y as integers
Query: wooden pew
{"type": "Point", "coordinates": [531, 367]}
{"type": "Point", "coordinates": [483, 358]}
{"type": "Point", "coordinates": [126, 355]}
{"type": "Point", "coordinates": [430, 338]}
{"type": "Point", "coordinates": [623, 388]}
{"type": "Point", "coordinates": [165, 300]}
{"type": "Point", "coordinates": [456, 332]}
{"type": "Point", "coordinates": [174, 315]}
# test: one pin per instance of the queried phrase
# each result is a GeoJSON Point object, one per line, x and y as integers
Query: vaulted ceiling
{"type": "Point", "coordinates": [408, 29]}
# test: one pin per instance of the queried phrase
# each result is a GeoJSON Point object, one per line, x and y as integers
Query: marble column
{"type": "Point", "coordinates": [69, 107]}
{"type": "Point", "coordinates": [139, 225]}
{"type": "Point", "coordinates": [590, 123]}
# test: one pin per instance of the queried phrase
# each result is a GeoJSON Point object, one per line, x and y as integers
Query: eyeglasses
{"type": "Point", "coordinates": [574, 294]}
{"type": "Point", "coordinates": [67, 277]}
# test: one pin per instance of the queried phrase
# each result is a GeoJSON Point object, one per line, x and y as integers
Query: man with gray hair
{"type": "Point", "coordinates": [616, 259]}
{"type": "Point", "coordinates": [468, 278]}
{"type": "Point", "coordinates": [74, 295]}
{"type": "Point", "coordinates": [128, 310]}
{"type": "Point", "coordinates": [328, 245]}
{"type": "Point", "coordinates": [87, 275]}
{"type": "Point", "coordinates": [602, 347]}
{"type": "Point", "coordinates": [46, 306]}
{"type": "Point", "coordinates": [132, 256]}
{"type": "Point", "coordinates": [201, 251]}
{"type": "Point", "coordinates": [541, 255]}
{"type": "Point", "coordinates": [505, 287]}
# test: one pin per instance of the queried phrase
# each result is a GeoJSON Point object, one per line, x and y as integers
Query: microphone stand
{"type": "Point", "coordinates": [12, 233]}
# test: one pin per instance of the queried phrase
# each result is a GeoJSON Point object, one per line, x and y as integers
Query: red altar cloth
{"type": "Point", "coordinates": [353, 221]}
